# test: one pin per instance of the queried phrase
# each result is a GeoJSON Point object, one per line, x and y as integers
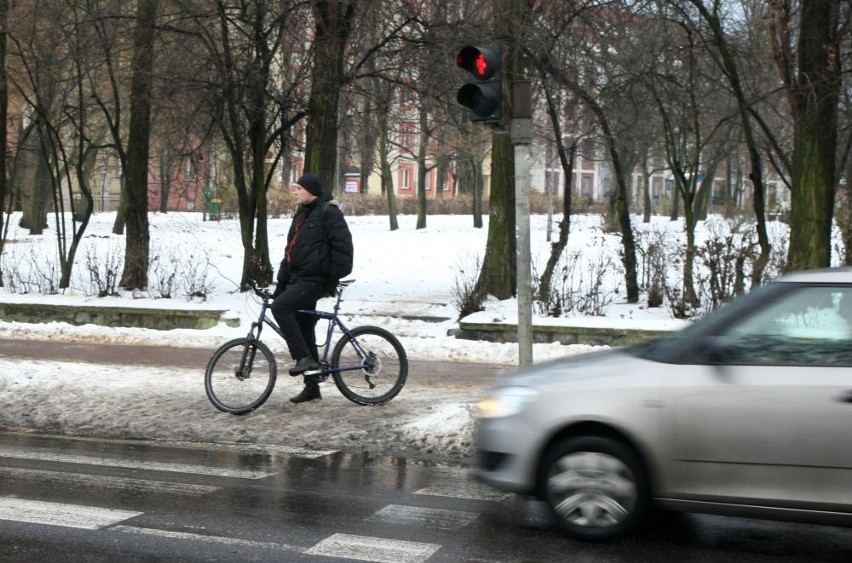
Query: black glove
{"type": "Point", "coordinates": [331, 286]}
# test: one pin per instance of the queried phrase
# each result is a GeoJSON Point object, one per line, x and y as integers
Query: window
{"type": "Point", "coordinates": [405, 139]}
{"type": "Point", "coordinates": [808, 326]}
{"type": "Point", "coordinates": [586, 185]}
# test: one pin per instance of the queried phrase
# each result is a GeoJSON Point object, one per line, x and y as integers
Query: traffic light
{"type": "Point", "coordinates": [483, 93]}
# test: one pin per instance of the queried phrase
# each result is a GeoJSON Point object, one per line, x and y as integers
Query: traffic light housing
{"type": "Point", "coordinates": [483, 93]}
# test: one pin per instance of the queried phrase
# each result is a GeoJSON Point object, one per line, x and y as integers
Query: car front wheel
{"type": "Point", "coordinates": [596, 488]}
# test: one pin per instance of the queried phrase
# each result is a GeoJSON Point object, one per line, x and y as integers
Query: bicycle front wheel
{"type": "Point", "coordinates": [370, 365]}
{"type": "Point", "coordinates": [240, 376]}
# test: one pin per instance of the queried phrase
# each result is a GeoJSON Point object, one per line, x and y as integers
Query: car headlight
{"type": "Point", "coordinates": [506, 401]}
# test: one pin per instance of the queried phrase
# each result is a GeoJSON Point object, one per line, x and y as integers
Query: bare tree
{"type": "Point", "coordinates": [253, 111]}
{"type": "Point", "coordinates": [813, 88]}
{"type": "Point", "coordinates": [136, 243]}
{"type": "Point", "coordinates": [4, 114]}
{"type": "Point", "coordinates": [695, 123]}
{"type": "Point", "coordinates": [573, 52]}
{"type": "Point", "coordinates": [60, 145]}
{"type": "Point", "coordinates": [566, 161]}
{"type": "Point", "coordinates": [333, 24]}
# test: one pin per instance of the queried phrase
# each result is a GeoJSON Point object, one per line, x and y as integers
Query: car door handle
{"type": "Point", "coordinates": [845, 397]}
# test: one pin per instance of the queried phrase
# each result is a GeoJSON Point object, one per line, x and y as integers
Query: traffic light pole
{"type": "Point", "coordinates": [521, 138]}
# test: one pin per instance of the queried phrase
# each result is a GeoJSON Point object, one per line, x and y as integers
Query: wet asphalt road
{"type": "Point", "coordinates": [72, 499]}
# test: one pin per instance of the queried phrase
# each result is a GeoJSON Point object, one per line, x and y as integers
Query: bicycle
{"type": "Point", "coordinates": [368, 364]}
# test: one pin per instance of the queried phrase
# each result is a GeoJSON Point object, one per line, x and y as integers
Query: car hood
{"type": "Point", "coordinates": [595, 369]}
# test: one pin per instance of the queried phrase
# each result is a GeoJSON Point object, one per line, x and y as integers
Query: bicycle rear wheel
{"type": "Point", "coordinates": [240, 376]}
{"type": "Point", "coordinates": [372, 363]}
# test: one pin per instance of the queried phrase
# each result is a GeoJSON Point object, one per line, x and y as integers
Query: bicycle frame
{"type": "Point", "coordinates": [333, 322]}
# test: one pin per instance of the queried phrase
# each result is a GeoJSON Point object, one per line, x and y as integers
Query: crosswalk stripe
{"type": "Point", "coordinates": [268, 449]}
{"type": "Point", "coordinates": [463, 489]}
{"type": "Point", "coordinates": [209, 539]}
{"type": "Point", "coordinates": [58, 514]}
{"type": "Point", "coordinates": [380, 550]}
{"type": "Point", "coordinates": [437, 518]}
{"type": "Point", "coordinates": [108, 482]}
{"type": "Point", "coordinates": [138, 464]}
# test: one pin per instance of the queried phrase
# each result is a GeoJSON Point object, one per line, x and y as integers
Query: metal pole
{"type": "Point", "coordinates": [521, 138]}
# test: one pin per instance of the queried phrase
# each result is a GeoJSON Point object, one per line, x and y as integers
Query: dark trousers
{"type": "Point", "coordinates": [298, 328]}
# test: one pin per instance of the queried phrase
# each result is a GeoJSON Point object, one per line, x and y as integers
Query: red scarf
{"type": "Point", "coordinates": [300, 217]}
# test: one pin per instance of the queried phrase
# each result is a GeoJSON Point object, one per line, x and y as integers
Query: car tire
{"type": "Point", "coordinates": [596, 488]}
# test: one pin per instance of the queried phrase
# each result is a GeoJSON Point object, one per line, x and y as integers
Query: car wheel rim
{"type": "Point", "coordinates": [592, 489]}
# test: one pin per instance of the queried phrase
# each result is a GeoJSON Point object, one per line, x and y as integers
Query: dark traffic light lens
{"type": "Point", "coordinates": [482, 99]}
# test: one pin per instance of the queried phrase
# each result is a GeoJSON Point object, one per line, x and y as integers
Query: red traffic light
{"type": "Point", "coordinates": [482, 62]}
{"type": "Point", "coordinates": [483, 93]}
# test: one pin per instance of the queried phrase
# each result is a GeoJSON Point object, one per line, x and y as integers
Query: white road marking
{"type": "Point", "coordinates": [437, 518]}
{"type": "Point", "coordinates": [381, 550]}
{"type": "Point", "coordinates": [208, 539]}
{"type": "Point", "coordinates": [57, 514]}
{"type": "Point", "coordinates": [259, 448]}
{"type": "Point", "coordinates": [108, 482]}
{"type": "Point", "coordinates": [463, 489]}
{"type": "Point", "coordinates": [139, 464]}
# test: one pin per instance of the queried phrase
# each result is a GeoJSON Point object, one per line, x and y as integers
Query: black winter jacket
{"type": "Point", "coordinates": [319, 245]}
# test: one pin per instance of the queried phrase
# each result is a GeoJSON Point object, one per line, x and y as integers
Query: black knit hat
{"type": "Point", "coordinates": [310, 183]}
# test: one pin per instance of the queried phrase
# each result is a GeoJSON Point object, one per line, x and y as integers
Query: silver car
{"type": "Point", "coordinates": [746, 412]}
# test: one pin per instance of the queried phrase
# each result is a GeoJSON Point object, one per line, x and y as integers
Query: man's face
{"type": "Point", "coordinates": [301, 194]}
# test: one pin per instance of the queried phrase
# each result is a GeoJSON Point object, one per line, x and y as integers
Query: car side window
{"type": "Point", "coordinates": [808, 326]}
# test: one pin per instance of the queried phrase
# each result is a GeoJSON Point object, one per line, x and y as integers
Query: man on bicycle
{"type": "Point", "coordinates": [318, 254]}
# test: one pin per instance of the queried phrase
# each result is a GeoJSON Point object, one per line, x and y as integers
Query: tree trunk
{"type": "Point", "coordinates": [31, 181]}
{"type": "Point", "coordinates": [628, 242]}
{"type": "Point", "coordinates": [499, 270]}
{"type": "Point", "coordinates": [421, 167]}
{"type": "Point", "coordinates": [690, 298]}
{"type": "Point", "coordinates": [476, 181]}
{"type": "Point", "coordinates": [566, 161]}
{"type": "Point", "coordinates": [566, 158]}
{"type": "Point", "coordinates": [165, 182]}
{"type": "Point", "coordinates": [815, 136]}
{"type": "Point", "coordinates": [4, 112]}
{"type": "Point", "coordinates": [647, 204]}
{"type": "Point", "coordinates": [333, 25]}
{"type": "Point", "coordinates": [440, 179]}
{"type": "Point", "coordinates": [386, 174]}
{"type": "Point", "coordinates": [118, 224]}
{"type": "Point", "coordinates": [136, 258]}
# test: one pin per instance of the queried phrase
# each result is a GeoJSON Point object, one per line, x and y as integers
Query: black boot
{"type": "Point", "coordinates": [311, 392]}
